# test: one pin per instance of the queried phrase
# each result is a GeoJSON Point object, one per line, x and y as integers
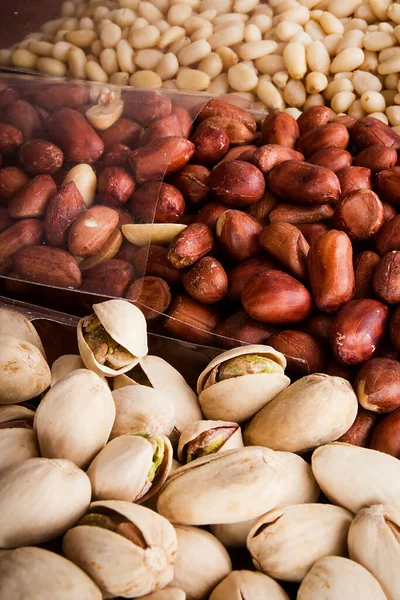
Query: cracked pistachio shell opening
{"type": "Point", "coordinates": [213, 442]}
{"type": "Point", "coordinates": [248, 585]}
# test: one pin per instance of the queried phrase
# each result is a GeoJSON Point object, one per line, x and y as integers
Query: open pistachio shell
{"type": "Point", "coordinates": [16, 444]}
{"type": "Point", "coordinates": [374, 542]}
{"type": "Point", "coordinates": [238, 398]}
{"type": "Point", "coordinates": [315, 410]}
{"type": "Point", "coordinates": [337, 578]}
{"type": "Point", "coordinates": [126, 324]}
{"type": "Point", "coordinates": [154, 233]}
{"type": "Point", "coordinates": [75, 418]}
{"type": "Point", "coordinates": [248, 585]}
{"type": "Point", "coordinates": [24, 373]}
{"type": "Point", "coordinates": [355, 477]}
{"type": "Point", "coordinates": [40, 499]}
{"type": "Point", "coordinates": [259, 479]}
{"type": "Point", "coordinates": [17, 325]}
{"type": "Point", "coordinates": [135, 559]}
{"type": "Point", "coordinates": [286, 542]}
{"type": "Point", "coordinates": [201, 562]}
{"type": "Point", "coordinates": [38, 574]}
{"type": "Point", "coordinates": [141, 408]}
{"type": "Point", "coordinates": [152, 501]}
{"type": "Point", "coordinates": [64, 366]}
{"type": "Point", "coordinates": [131, 467]}
{"type": "Point", "coordinates": [168, 593]}
{"type": "Point", "coordinates": [208, 437]}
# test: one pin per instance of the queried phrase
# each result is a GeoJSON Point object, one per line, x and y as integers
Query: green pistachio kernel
{"type": "Point", "coordinates": [158, 453]}
{"type": "Point", "coordinates": [247, 364]}
{"type": "Point", "coordinates": [208, 442]}
{"type": "Point", "coordinates": [105, 349]}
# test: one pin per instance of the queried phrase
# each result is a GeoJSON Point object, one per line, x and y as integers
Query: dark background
{"type": "Point", "coordinates": [19, 17]}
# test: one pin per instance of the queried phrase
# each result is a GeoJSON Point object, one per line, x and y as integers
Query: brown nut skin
{"type": "Point", "coordinates": [64, 207]}
{"type": "Point", "coordinates": [115, 186]}
{"type": "Point", "coordinates": [12, 179]}
{"type": "Point", "coordinates": [319, 326]}
{"type": "Point", "coordinates": [337, 369]}
{"type": "Point", "coordinates": [124, 131]}
{"type": "Point", "coordinates": [239, 276]}
{"type": "Point", "coordinates": [75, 136]}
{"type": "Point", "coordinates": [305, 183]}
{"type": "Point", "coordinates": [261, 209]}
{"type": "Point", "coordinates": [270, 155]}
{"type": "Point", "coordinates": [388, 211]}
{"type": "Point", "coordinates": [276, 297]}
{"type": "Point", "coordinates": [365, 264]}
{"type": "Point", "coordinates": [23, 116]}
{"type": "Point", "coordinates": [27, 232]}
{"type": "Point", "coordinates": [146, 107]}
{"type": "Point", "coordinates": [354, 178]}
{"type": "Point", "coordinates": [192, 321]}
{"type": "Point", "coordinates": [151, 294]}
{"type": "Point", "coordinates": [156, 202]}
{"type": "Point", "coordinates": [288, 245]}
{"type": "Point", "coordinates": [185, 120]}
{"type": "Point", "coordinates": [236, 153]}
{"type": "Point", "coordinates": [206, 281]}
{"type": "Point", "coordinates": [209, 214]}
{"type": "Point", "coordinates": [109, 278]}
{"type": "Point", "coordinates": [387, 184]}
{"type": "Point", "coordinates": [237, 183]}
{"type": "Point", "coordinates": [331, 135]}
{"type": "Point", "coordinates": [191, 181]}
{"type": "Point", "coordinates": [55, 96]}
{"type": "Point", "coordinates": [360, 432]}
{"type": "Point", "coordinates": [377, 385]}
{"type": "Point", "coordinates": [335, 159]}
{"type": "Point", "coordinates": [116, 156]}
{"type": "Point", "coordinates": [312, 231]}
{"type": "Point", "coordinates": [372, 132]}
{"type": "Point", "coordinates": [386, 435]}
{"type": "Point", "coordinates": [358, 328]}
{"type": "Point", "coordinates": [395, 329]}
{"type": "Point", "coordinates": [32, 200]}
{"type": "Point", "coordinates": [330, 270]}
{"type": "Point", "coordinates": [388, 237]}
{"type": "Point", "coordinates": [237, 132]}
{"type": "Point", "coordinates": [40, 157]}
{"type": "Point", "coordinates": [313, 117]}
{"type": "Point", "coordinates": [190, 245]}
{"type": "Point", "coordinates": [8, 95]}
{"type": "Point", "coordinates": [219, 108]}
{"type": "Point", "coordinates": [303, 353]}
{"type": "Point", "coordinates": [5, 219]}
{"type": "Point", "coordinates": [359, 214]}
{"type": "Point", "coordinates": [10, 139]}
{"type": "Point", "coordinates": [376, 158]}
{"type": "Point", "coordinates": [168, 126]}
{"type": "Point", "coordinates": [240, 329]}
{"type": "Point", "coordinates": [346, 120]}
{"type": "Point", "coordinates": [238, 235]}
{"type": "Point", "coordinates": [280, 128]}
{"type": "Point", "coordinates": [296, 213]}
{"type": "Point", "coordinates": [108, 251]}
{"type": "Point", "coordinates": [160, 158]}
{"type": "Point", "coordinates": [49, 266]}
{"type": "Point", "coordinates": [386, 281]}
{"type": "Point", "coordinates": [91, 230]}
{"type": "Point", "coordinates": [211, 143]}
{"type": "Point", "coordinates": [153, 260]}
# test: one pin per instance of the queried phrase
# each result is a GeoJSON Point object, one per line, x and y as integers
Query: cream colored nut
{"type": "Point", "coordinates": [285, 30]}
{"type": "Point", "coordinates": [95, 72]}
{"type": "Point", "coordinates": [254, 50]}
{"type": "Point", "coordinates": [194, 52]}
{"type": "Point", "coordinates": [331, 24]}
{"type": "Point", "coordinates": [71, 24]}
{"type": "Point", "coordinates": [86, 23]}
{"type": "Point", "coordinates": [252, 33]}
{"type": "Point", "coordinates": [355, 23]}
{"type": "Point", "coordinates": [351, 39]}
{"type": "Point", "coordinates": [294, 93]}
{"type": "Point", "coordinates": [228, 36]}
{"type": "Point", "coordinates": [342, 101]}
{"type": "Point", "coordinates": [280, 79]}
{"type": "Point", "coordinates": [244, 6]}
{"type": "Point", "coordinates": [138, 24]}
{"type": "Point", "coordinates": [315, 31]}
{"type": "Point", "coordinates": [209, 15]}
{"type": "Point", "coordinates": [148, 59]}
{"type": "Point", "coordinates": [228, 57]}
{"type": "Point", "coordinates": [145, 79]}
{"type": "Point", "coordinates": [191, 79]}
{"type": "Point", "coordinates": [270, 64]}
{"type": "Point", "coordinates": [393, 12]}
{"type": "Point", "coordinates": [77, 63]}
{"type": "Point", "coordinates": [125, 56]}
{"type": "Point", "coordinates": [202, 33]}
{"type": "Point", "coordinates": [105, 113]}
{"type": "Point", "coordinates": [194, 23]}
{"type": "Point", "coordinates": [365, 12]}
{"type": "Point", "coordinates": [263, 22]}
{"type": "Point", "coordinates": [60, 51]}
{"type": "Point", "coordinates": [251, 585]}
{"type": "Point", "coordinates": [85, 180]}
{"type": "Point", "coordinates": [223, 20]}
{"type": "Point", "coordinates": [145, 37]}
{"type": "Point", "coordinates": [40, 48]}
{"type": "Point", "coordinates": [388, 53]}
{"type": "Point", "coordinates": [51, 27]}
{"type": "Point", "coordinates": [124, 17]}
{"type": "Point", "coordinates": [370, 61]}
{"type": "Point", "coordinates": [212, 65]}
{"type": "Point", "coordinates": [148, 11]}
{"type": "Point", "coordinates": [64, 365]}
{"type": "Point", "coordinates": [318, 58]}
{"type": "Point", "coordinates": [178, 14]}
{"type": "Point", "coordinates": [373, 102]}
{"type": "Point", "coordinates": [293, 112]}
{"type": "Point", "coordinates": [162, 5]}
{"type": "Point", "coordinates": [100, 13]}
{"type": "Point", "coordinates": [298, 14]}
{"type": "Point", "coordinates": [365, 82]}
{"type": "Point", "coordinates": [313, 100]}
{"type": "Point", "coordinates": [108, 60]}
{"type": "Point", "coordinates": [331, 43]}
{"type": "Point", "coordinates": [24, 59]}
{"type": "Point", "coordinates": [336, 86]}
{"type": "Point", "coordinates": [242, 78]}
{"type": "Point", "coordinates": [170, 36]}
{"type": "Point", "coordinates": [168, 66]}
{"type": "Point", "coordinates": [391, 65]}
{"type": "Point", "coordinates": [393, 113]}
{"type": "Point", "coordinates": [347, 60]}
{"type": "Point", "coordinates": [162, 26]}
{"type": "Point", "coordinates": [220, 85]}
{"type": "Point", "coordinates": [389, 96]}
{"type": "Point", "coordinates": [316, 82]}
{"type": "Point", "coordinates": [379, 8]}
{"type": "Point", "coordinates": [301, 38]}
{"type": "Point", "coordinates": [380, 116]}
{"type": "Point", "coordinates": [391, 81]}
{"type": "Point", "coordinates": [378, 40]}
{"type": "Point", "coordinates": [82, 38]}
{"type": "Point", "coordinates": [294, 56]}
{"type": "Point", "coordinates": [337, 8]}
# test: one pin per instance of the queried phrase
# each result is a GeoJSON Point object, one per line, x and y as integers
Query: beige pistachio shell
{"type": "Point", "coordinates": [117, 565]}
{"type": "Point", "coordinates": [168, 593]}
{"type": "Point", "coordinates": [374, 542]}
{"type": "Point", "coordinates": [126, 325]}
{"type": "Point", "coordinates": [37, 574]}
{"type": "Point", "coordinates": [40, 499]}
{"type": "Point", "coordinates": [120, 470]}
{"type": "Point", "coordinates": [286, 542]}
{"type": "Point", "coordinates": [152, 501]}
{"type": "Point", "coordinates": [64, 366]}
{"type": "Point", "coordinates": [315, 410]}
{"type": "Point", "coordinates": [75, 418]}
{"type": "Point", "coordinates": [17, 325]}
{"type": "Point", "coordinates": [24, 373]}
{"type": "Point", "coordinates": [121, 381]}
{"type": "Point", "coordinates": [17, 444]}
{"type": "Point", "coordinates": [239, 398]}
{"type": "Point", "coordinates": [192, 431]}
{"type": "Point", "coordinates": [141, 408]}
{"type": "Point", "coordinates": [248, 585]}
{"type": "Point", "coordinates": [14, 412]}
{"type": "Point", "coordinates": [201, 562]}
{"type": "Point", "coordinates": [355, 477]}
{"type": "Point", "coordinates": [258, 479]}
{"type": "Point", "coordinates": [154, 233]}
{"type": "Point", "coordinates": [337, 578]}
{"type": "Point", "coordinates": [233, 535]}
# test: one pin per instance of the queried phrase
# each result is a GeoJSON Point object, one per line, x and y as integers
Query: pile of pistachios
{"type": "Point", "coordinates": [117, 480]}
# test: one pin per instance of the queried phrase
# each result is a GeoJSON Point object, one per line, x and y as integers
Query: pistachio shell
{"type": "Point", "coordinates": [201, 562]}
{"type": "Point", "coordinates": [65, 365]}
{"type": "Point", "coordinates": [140, 408]}
{"type": "Point", "coordinates": [286, 542]}
{"type": "Point", "coordinates": [24, 373]}
{"type": "Point", "coordinates": [355, 477]}
{"type": "Point", "coordinates": [121, 381]}
{"type": "Point", "coordinates": [17, 325]}
{"type": "Point", "coordinates": [234, 486]}
{"type": "Point", "coordinates": [154, 233]}
{"type": "Point", "coordinates": [337, 578]}
{"type": "Point", "coordinates": [374, 542]}
{"type": "Point", "coordinates": [315, 410]}
{"type": "Point", "coordinates": [192, 431]}
{"type": "Point", "coordinates": [120, 470]}
{"type": "Point", "coordinates": [17, 444]}
{"type": "Point", "coordinates": [168, 593]}
{"type": "Point", "coordinates": [75, 418]}
{"type": "Point", "coordinates": [117, 565]}
{"type": "Point", "coordinates": [40, 499]}
{"type": "Point", "coordinates": [239, 398]}
{"type": "Point", "coordinates": [152, 501]}
{"type": "Point", "coordinates": [233, 535]}
{"type": "Point", "coordinates": [126, 324]}
{"type": "Point", "coordinates": [38, 574]}
{"type": "Point", "coordinates": [248, 585]}
{"type": "Point", "coordinates": [14, 412]}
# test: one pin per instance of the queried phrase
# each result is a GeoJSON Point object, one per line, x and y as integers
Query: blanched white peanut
{"type": "Point", "coordinates": [314, 30]}
{"type": "Point", "coordinates": [393, 114]}
{"type": "Point", "coordinates": [391, 81]}
{"type": "Point", "coordinates": [208, 15]}
{"type": "Point", "coordinates": [270, 64]}
{"type": "Point", "coordinates": [178, 14]}
{"type": "Point", "coordinates": [365, 82]}
{"type": "Point", "coordinates": [314, 100]}
{"type": "Point", "coordinates": [219, 85]}
{"type": "Point", "coordinates": [331, 42]}
{"type": "Point", "coordinates": [86, 23]}
{"type": "Point", "coordinates": [148, 11]}
{"type": "Point", "coordinates": [316, 82]}
{"type": "Point", "coordinates": [108, 60]}
{"type": "Point", "coordinates": [253, 50]}
{"type": "Point", "coordinates": [162, 26]}
{"type": "Point", "coordinates": [194, 53]}
{"type": "Point", "coordinates": [222, 21]}
{"type": "Point", "coordinates": [179, 44]}
{"type": "Point", "coordinates": [331, 24]}
{"type": "Point", "coordinates": [388, 53]}
{"type": "Point", "coordinates": [169, 84]}
{"type": "Point", "coordinates": [318, 58]}
{"type": "Point", "coordinates": [295, 93]}
{"type": "Point", "coordinates": [71, 24]}
{"type": "Point", "coordinates": [170, 36]}
{"type": "Point", "coordinates": [60, 51]}
{"type": "Point", "coordinates": [168, 66]}
{"type": "Point", "coordinates": [373, 102]}
{"type": "Point", "coordinates": [252, 33]}
{"type": "Point", "coordinates": [40, 48]}
{"type": "Point", "coordinates": [293, 112]}
{"type": "Point", "coordinates": [280, 79]}
{"type": "Point", "coordinates": [356, 110]}
{"type": "Point", "coordinates": [342, 101]}
{"type": "Point", "coordinates": [139, 24]}
{"type": "Point", "coordinates": [365, 12]}
{"type": "Point", "coordinates": [285, 30]}
{"type": "Point", "coordinates": [77, 63]}
{"type": "Point", "coordinates": [347, 60]}
{"type": "Point", "coordinates": [192, 79]}
{"type": "Point", "coordinates": [83, 38]}
{"type": "Point", "coordinates": [370, 61]}
{"type": "Point", "coordinates": [24, 59]}
{"type": "Point", "coordinates": [392, 65]}
{"type": "Point", "coordinates": [379, 8]}
{"type": "Point", "coordinates": [351, 39]}
{"type": "Point", "coordinates": [393, 12]}
{"type": "Point", "coordinates": [95, 72]}
{"type": "Point", "coordinates": [110, 35]}
{"type": "Point", "coordinates": [380, 116]}
{"type": "Point", "coordinates": [212, 65]}
{"type": "Point", "coordinates": [145, 79]}
{"type": "Point", "coordinates": [294, 56]}
{"type": "Point", "coordinates": [242, 77]}
{"type": "Point", "coordinates": [378, 40]}
{"type": "Point", "coordinates": [193, 23]}
{"type": "Point", "coordinates": [222, 6]}
{"type": "Point", "coordinates": [51, 66]}
{"type": "Point", "coordinates": [303, 38]}
{"type": "Point", "coordinates": [263, 22]}
{"type": "Point", "coordinates": [146, 37]}
{"type": "Point", "coordinates": [202, 33]}
{"type": "Point", "coordinates": [119, 78]}
{"type": "Point", "coordinates": [148, 59]}
{"type": "Point", "coordinates": [298, 14]}
{"type": "Point", "coordinates": [343, 9]}
{"type": "Point", "coordinates": [124, 17]}
{"type": "Point", "coordinates": [125, 56]}
{"type": "Point", "coordinates": [96, 48]}
{"type": "Point", "coordinates": [268, 93]}
{"type": "Point", "coordinates": [244, 6]}
{"type": "Point", "coordinates": [336, 86]}
{"type": "Point", "coordinates": [228, 36]}
{"type": "Point", "coordinates": [228, 57]}
{"type": "Point", "coordinates": [354, 23]}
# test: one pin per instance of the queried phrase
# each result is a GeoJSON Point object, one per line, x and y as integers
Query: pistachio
{"type": "Point", "coordinates": [337, 578]}
{"type": "Point", "coordinates": [38, 573]}
{"type": "Point", "coordinates": [17, 439]}
{"type": "Point", "coordinates": [248, 585]}
{"type": "Point", "coordinates": [249, 364]}
{"type": "Point", "coordinates": [105, 350]}
{"type": "Point", "coordinates": [208, 437]}
{"type": "Point", "coordinates": [65, 365]}
{"type": "Point", "coordinates": [17, 325]}
{"type": "Point", "coordinates": [127, 549]}
{"type": "Point", "coordinates": [374, 542]}
{"type": "Point", "coordinates": [40, 499]}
